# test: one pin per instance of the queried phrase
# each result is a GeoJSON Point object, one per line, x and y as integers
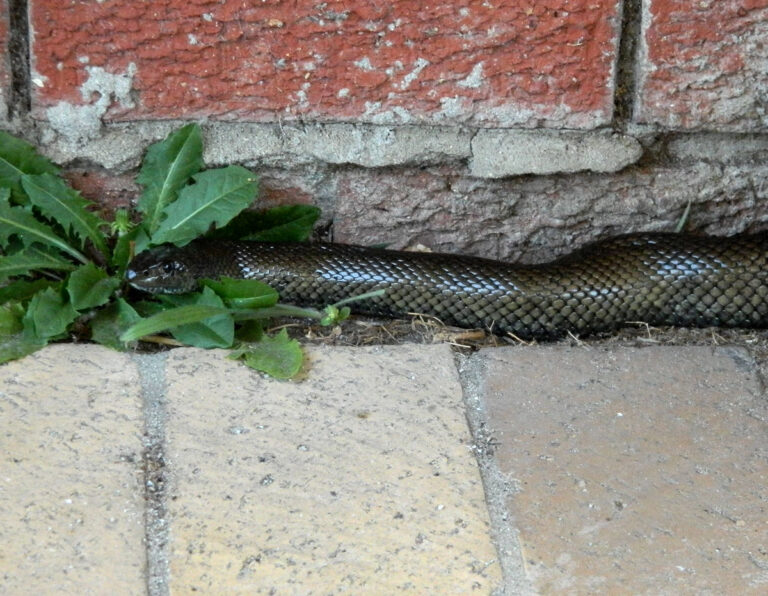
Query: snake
{"type": "Point", "coordinates": [657, 278]}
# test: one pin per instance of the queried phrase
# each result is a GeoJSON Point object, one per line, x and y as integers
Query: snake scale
{"type": "Point", "coordinates": [656, 278]}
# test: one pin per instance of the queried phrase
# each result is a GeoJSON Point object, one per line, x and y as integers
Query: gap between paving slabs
{"type": "Point", "coordinates": [318, 377]}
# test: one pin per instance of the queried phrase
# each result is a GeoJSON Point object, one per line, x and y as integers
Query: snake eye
{"type": "Point", "coordinates": [168, 267]}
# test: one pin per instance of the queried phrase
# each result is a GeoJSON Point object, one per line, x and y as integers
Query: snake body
{"type": "Point", "coordinates": [655, 278]}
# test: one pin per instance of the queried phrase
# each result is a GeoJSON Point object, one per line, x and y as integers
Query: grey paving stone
{"type": "Point", "coordinates": [357, 479]}
{"type": "Point", "coordinates": [639, 471]}
{"type": "Point", "coordinates": [71, 494]}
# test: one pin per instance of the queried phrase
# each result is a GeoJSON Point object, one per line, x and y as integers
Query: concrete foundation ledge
{"type": "Point", "coordinates": [491, 153]}
{"type": "Point", "coordinates": [500, 153]}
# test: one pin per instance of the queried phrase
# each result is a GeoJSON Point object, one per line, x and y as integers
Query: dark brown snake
{"type": "Point", "coordinates": [654, 278]}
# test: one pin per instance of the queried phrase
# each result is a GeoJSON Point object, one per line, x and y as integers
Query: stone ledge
{"type": "Point", "coordinates": [719, 147]}
{"type": "Point", "coordinates": [492, 153]}
{"type": "Point", "coordinates": [501, 153]}
{"type": "Point", "coordinates": [369, 146]}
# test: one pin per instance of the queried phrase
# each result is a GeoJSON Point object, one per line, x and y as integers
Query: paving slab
{"type": "Point", "coordinates": [71, 494]}
{"type": "Point", "coordinates": [635, 471]}
{"type": "Point", "coordinates": [359, 478]}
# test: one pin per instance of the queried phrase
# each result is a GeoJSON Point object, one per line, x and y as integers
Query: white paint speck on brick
{"type": "Point", "coordinates": [364, 63]}
{"type": "Point", "coordinates": [81, 122]}
{"type": "Point", "coordinates": [418, 66]}
{"type": "Point", "coordinates": [450, 107]}
{"type": "Point", "coordinates": [474, 79]}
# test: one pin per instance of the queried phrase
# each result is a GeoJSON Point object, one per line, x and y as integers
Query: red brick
{"type": "Point", "coordinates": [107, 190]}
{"type": "Point", "coordinates": [534, 63]}
{"type": "Point", "coordinates": [705, 65]}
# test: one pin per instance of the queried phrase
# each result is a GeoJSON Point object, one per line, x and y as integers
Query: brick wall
{"type": "Point", "coordinates": [508, 128]}
{"type": "Point", "coordinates": [704, 65]}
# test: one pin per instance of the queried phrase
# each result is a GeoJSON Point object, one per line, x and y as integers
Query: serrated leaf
{"type": "Point", "coordinates": [17, 157]}
{"type": "Point", "coordinates": [170, 319]}
{"type": "Point", "coordinates": [18, 345]}
{"type": "Point", "coordinates": [148, 308]}
{"type": "Point", "coordinates": [48, 315]}
{"type": "Point", "coordinates": [22, 290]}
{"type": "Point", "coordinates": [11, 316]}
{"type": "Point", "coordinates": [215, 198]}
{"type": "Point", "coordinates": [286, 223]}
{"type": "Point", "coordinates": [290, 223]}
{"type": "Point", "coordinates": [18, 222]}
{"type": "Point", "coordinates": [167, 167]}
{"type": "Point", "coordinates": [214, 332]}
{"type": "Point", "coordinates": [278, 356]}
{"type": "Point", "coordinates": [243, 293]}
{"type": "Point", "coordinates": [249, 331]}
{"type": "Point", "coordinates": [31, 259]}
{"type": "Point", "coordinates": [65, 206]}
{"type": "Point", "coordinates": [89, 286]}
{"type": "Point", "coordinates": [110, 322]}
{"type": "Point", "coordinates": [126, 247]}
{"type": "Point", "coordinates": [121, 224]}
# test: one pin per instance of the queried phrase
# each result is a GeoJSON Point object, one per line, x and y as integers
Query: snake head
{"type": "Point", "coordinates": [162, 270]}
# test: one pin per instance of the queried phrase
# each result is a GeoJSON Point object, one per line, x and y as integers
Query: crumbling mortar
{"type": "Point", "coordinates": [626, 63]}
{"type": "Point", "coordinates": [18, 52]}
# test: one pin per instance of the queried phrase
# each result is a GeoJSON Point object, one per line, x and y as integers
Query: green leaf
{"type": "Point", "coordinates": [148, 308]}
{"type": "Point", "coordinates": [17, 157]}
{"type": "Point", "coordinates": [48, 315]}
{"type": "Point", "coordinates": [22, 290]}
{"type": "Point", "coordinates": [31, 259]}
{"type": "Point", "coordinates": [89, 286]}
{"type": "Point", "coordinates": [278, 356]}
{"type": "Point", "coordinates": [248, 331]}
{"type": "Point", "coordinates": [289, 223]}
{"type": "Point", "coordinates": [243, 293]}
{"type": "Point", "coordinates": [124, 249]}
{"type": "Point", "coordinates": [170, 319]}
{"type": "Point", "coordinates": [215, 198]}
{"type": "Point", "coordinates": [334, 315]}
{"type": "Point", "coordinates": [64, 205]}
{"type": "Point", "coordinates": [110, 322]}
{"type": "Point", "coordinates": [279, 310]}
{"type": "Point", "coordinates": [17, 221]}
{"type": "Point", "coordinates": [11, 316]}
{"type": "Point", "coordinates": [121, 224]}
{"type": "Point", "coordinates": [214, 332]}
{"type": "Point", "coordinates": [18, 345]}
{"type": "Point", "coordinates": [167, 167]}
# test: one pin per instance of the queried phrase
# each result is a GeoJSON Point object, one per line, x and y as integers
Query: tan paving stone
{"type": "Point", "coordinates": [357, 479]}
{"type": "Point", "coordinates": [71, 497]}
{"type": "Point", "coordinates": [640, 471]}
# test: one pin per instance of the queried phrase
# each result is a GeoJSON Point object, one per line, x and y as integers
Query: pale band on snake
{"type": "Point", "coordinates": [656, 278]}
